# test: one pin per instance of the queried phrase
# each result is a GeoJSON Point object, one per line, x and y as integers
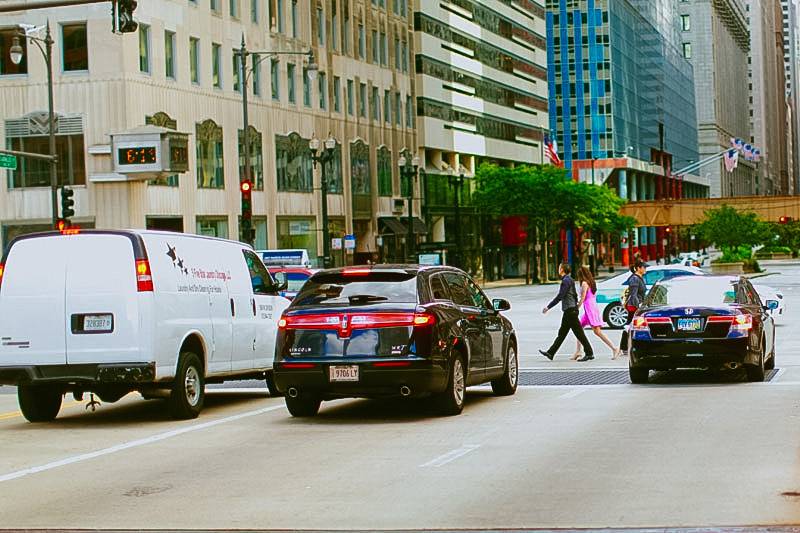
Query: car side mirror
{"type": "Point", "coordinates": [500, 304]}
{"type": "Point", "coordinates": [772, 305]}
{"type": "Point", "coordinates": [282, 285]}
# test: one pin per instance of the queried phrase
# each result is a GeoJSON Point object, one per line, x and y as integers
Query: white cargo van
{"type": "Point", "coordinates": [111, 312]}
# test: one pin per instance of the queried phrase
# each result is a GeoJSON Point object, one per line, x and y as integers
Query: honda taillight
{"type": "Point", "coordinates": [719, 319]}
{"type": "Point", "coordinates": [642, 323]}
{"type": "Point", "coordinates": [144, 279]}
{"type": "Point", "coordinates": [743, 322]}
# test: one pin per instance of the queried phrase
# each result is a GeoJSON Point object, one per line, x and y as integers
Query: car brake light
{"type": "Point", "coordinates": [298, 366]}
{"type": "Point", "coordinates": [356, 272]}
{"type": "Point", "coordinates": [392, 364]}
{"type": "Point", "coordinates": [641, 323]}
{"type": "Point", "coordinates": [144, 279]}
{"type": "Point", "coordinates": [424, 319]}
{"type": "Point", "coordinates": [2, 270]}
{"type": "Point", "coordinates": [348, 322]}
{"type": "Point", "coordinates": [743, 322]}
{"type": "Point", "coordinates": [719, 319]}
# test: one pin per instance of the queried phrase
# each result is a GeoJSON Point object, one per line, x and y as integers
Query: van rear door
{"type": "Point", "coordinates": [32, 315]}
{"type": "Point", "coordinates": [102, 300]}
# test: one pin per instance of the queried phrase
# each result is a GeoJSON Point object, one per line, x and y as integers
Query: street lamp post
{"type": "Point", "coordinates": [594, 160]}
{"type": "Point", "coordinates": [244, 73]}
{"type": "Point", "coordinates": [456, 181]}
{"type": "Point", "coordinates": [323, 157]}
{"type": "Point", "coordinates": [409, 168]}
{"type": "Point", "coordinates": [16, 53]}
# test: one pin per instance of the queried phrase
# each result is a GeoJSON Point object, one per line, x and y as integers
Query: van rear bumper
{"type": "Point", "coordinates": [87, 373]}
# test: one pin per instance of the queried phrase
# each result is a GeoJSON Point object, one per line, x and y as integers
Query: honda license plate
{"type": "Point", "coordinates": [689, 324]}
{"type": "Point", "coordinates": [98, 323]}
{"type": "Point", "coordinates": [343, 373]}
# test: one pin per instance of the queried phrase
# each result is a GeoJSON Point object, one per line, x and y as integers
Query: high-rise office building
{"type": "Point", "coordinates": [791, 56]}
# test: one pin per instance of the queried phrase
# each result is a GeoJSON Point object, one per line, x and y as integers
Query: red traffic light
{"type": "Point", "coordinates": [246, 186]}
{"type": "Point", "coordinates": [668, 230]}
{"type": "Point", "coordinates": [785, 220]}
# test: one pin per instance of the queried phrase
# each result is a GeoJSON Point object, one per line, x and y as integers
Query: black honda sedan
{"type": "Point", "coordinates": [393, 330]}
{"type": "Point", "coordinates": [702, 322]}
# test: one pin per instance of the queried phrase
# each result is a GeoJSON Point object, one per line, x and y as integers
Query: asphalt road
{"type": "Point", "coordinates": [700, 451]}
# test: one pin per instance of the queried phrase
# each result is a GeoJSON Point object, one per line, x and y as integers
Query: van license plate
{"type": "Point", "coordinates": [98, 323]}
{"type": "Point", "coordinates": [343, 373]}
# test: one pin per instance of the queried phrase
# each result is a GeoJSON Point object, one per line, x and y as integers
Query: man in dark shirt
{"type": "Point", "coordinates": [568, 297]}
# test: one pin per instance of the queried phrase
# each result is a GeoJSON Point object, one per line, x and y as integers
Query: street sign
{"type": "Point", "coordinates": [350, 243]}
{"type": "Point", "coordinates": [8, 161]}
{"type": "Point", "coordinates": [336, 244]}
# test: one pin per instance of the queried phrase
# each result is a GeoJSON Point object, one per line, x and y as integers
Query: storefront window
{"type": "Point", "coordinates": [298, 233]}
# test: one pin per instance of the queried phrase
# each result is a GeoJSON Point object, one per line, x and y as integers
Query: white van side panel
{"type": "Point", "coordinates": [191, 297]}
{"type": "Point", "coordinates": [32, 317]}
{"type": "Point", "coordinates": [101, 279]}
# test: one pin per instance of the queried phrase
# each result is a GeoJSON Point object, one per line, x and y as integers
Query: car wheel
{"type": "Point", "coordinates": [303, 405]}
{"type": "Point", "coordinates": [39, 403]}
{"type": "Point", "coordinates": [769, 364]}
{"type": "Point", "coordinates": [639, 376]}
{"type": "Point", "coordinates": [507, 385]}
{"type": "Point", "coordinates": [755, 373]}
{"type": "Point", "coordinates": [616, 316]}
{"type": "Point", "coordinates": [188, 390]}
{"type": "Point", "coordinates": [271, 387]}
{"type": "Point", "coordinates": [451, 401]}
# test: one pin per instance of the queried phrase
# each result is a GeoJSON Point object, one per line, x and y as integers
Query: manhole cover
{"type": "Point", "coordinates": [619, 377]}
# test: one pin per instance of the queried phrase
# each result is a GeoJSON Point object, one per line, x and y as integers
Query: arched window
{"type": "Point", "coordinates": [384, 171]}
{"type": "Point", "coordinates": [256, 157]}
{"type": "Point", "coordinates": [293, 163]}
{"type": "Point", "coordinates": [210, 159]}
{"type": "Point", "coordinates": [359, 168]}
{"type": "Point", "coordinates": [163, 120]}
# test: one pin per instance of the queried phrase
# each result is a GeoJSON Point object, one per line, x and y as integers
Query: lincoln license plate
{"type": "Point", "coordinates": [689, 324]}
{"type": "Point", "coordinates": [98, 323]}
{"type": "Point", "coordinates": [343, 373]}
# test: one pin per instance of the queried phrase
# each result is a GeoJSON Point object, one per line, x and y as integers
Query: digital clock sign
{"type": "Point", "coordinates": [138, 155]}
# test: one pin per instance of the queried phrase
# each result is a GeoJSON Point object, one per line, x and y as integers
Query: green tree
{"type": "Point", "coordinates": [735, 232]}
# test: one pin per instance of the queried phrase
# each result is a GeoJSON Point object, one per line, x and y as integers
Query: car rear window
{"type": "Point", "coordinates": [688, 292]}
{"type": "Point", "coordinates": [342, 289]}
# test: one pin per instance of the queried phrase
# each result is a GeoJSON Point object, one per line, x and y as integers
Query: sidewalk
{"type": "Point", "coordinates": [520, 282]}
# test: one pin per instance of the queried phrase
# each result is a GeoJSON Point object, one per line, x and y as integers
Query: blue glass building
{"type": "Point", "coordinates": [617, 79]}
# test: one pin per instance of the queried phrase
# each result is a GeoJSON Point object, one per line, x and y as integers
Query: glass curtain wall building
{"type": "Point", "coordinates": [618, 80]}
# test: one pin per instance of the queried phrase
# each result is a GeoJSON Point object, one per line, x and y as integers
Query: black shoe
{"type": "Point", "coordinates": [585, 358]}
{"type": "Point", "coordinates": [549, 356]}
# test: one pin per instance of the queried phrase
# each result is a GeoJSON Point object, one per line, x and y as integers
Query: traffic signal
{"type": "Point", "coordinates": [67, 204]}
{"type": "Point", "coordinates": [785, 220]}
{"type": "Point", "coordinates": [668, 230]}
{"type": "Point", "coordinates": [246, 187]}
{"type": "Point", "coordinates": [124, 16]}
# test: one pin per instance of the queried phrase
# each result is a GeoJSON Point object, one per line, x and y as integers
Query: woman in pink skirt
{"type": "Point", "coordinates": [591, 314]}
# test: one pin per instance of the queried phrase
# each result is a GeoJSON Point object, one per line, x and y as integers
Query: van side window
{"type": "Point", "coordinates": [259, 275]}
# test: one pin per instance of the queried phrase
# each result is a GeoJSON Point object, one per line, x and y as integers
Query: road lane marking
{"type": "Point", "coordinates": [133, 444]}
{"type": "Point", "coordinates": [576, 392]}
{"type": "Point", "coordinates": [451, 456]}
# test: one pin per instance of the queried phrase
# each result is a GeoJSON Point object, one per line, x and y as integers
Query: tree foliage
{"type": "Point", "coordinates": [731, 229]}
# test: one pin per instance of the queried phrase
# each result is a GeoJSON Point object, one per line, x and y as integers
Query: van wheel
{"type": "Point", "coordinates": [39, 403]}
{"type": "Point", "coordinates": [507, 384]}
{"type": "Point", "coordinates": [303, 405]}
{"type": "Point", "coordinates": [271, 387]}
{"type": "Point", "coordinates": [188, 390]}
{"type": "Point", "coordinates": [451, 401]}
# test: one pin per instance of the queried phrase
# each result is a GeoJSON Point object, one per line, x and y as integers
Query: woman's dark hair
{"type": "Point", "coordinates": [584, 274]}
{"type": "Point", "coordinates": [639, 264]}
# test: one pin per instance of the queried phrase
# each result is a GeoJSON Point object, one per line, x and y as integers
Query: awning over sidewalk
{"type": "Point", "coordinates": [399, 226]}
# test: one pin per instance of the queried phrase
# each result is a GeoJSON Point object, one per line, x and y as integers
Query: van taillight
{"type": "Point", "coordinates": [144, 279]}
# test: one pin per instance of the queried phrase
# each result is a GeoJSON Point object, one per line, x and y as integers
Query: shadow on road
{"type": "Point", "coordinates": [703, 377]}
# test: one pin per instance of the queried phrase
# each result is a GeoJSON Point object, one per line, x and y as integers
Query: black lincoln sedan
{"type": "Point", "coordinates": [702, 322]}
{"type": "Point", "coordinates": [393, 330]}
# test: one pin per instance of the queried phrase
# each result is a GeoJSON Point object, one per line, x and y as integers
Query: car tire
{"type": "Point", "coordinates": [39, 403]}
{"type": "Point", "coordinates": [507, 384]}
{"type": "Point", "coordinates": [639, 375]}
{"type": "Point", "coordinates": [271, 387]}
{"type": "Point", "coordinates": [769, 364]}
{"type": "Point", "coordinates": [615, 316]}
{"type": "Point", "coordinates": [303, 405]}
{"type": "Point", "coordinates": [756, 373]}
{"type": "Point", "coordinates": [189, 388]}
{"type": "Point", "coordinates": [451, 401]}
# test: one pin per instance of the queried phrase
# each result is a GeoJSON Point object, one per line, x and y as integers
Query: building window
{"type": "Point", "coordinates": [237, 66]}
{"type": "Point", "coordinates": [335, 181]}
{"type": "Point", "coordinates": [346, 30]}
{"type": "Point", "coordinates": [234, 8]}
{"type": "Point", "coordinates": [396, 7]}
{"type": "Point", "coordinates": [214, 6]}
{"type": "Point", "coordinates": [384, 50]}
{"type": "Point", "coordinates": [387, 106]}
{"type": "Point", "coordinates": [686, 23]}
{"type": "Point", "coordinates": [295, 32]}
{"type": "Point", "coordinates": [256, 157]}
{"type": "Point", "coordinates": [409, 113]}
{"type": "Point", "coordinates": [323, 91]}
{"type": "Point", "coordinates": [687, 50]}
{"type": "Point", "coordinates": [256, 70]}
{"type": "Point", "coordinates": [320, 26]}
{"type": "Point", "coordinates": [210, 159]}
{"type": "Point", "coordinates": [290, 82]}
{"type": "Point", "coordinates": [375, 47]}
{"type": "Point", "coordinates": [7, 67]}
{"type": "Point", "coordinates": [212, 227]}
{"type": "Point", "coordinates": [275, 76]}
{"type": "Point", "coordinates": [384, 171]}
{"type": "Point", "coordinates": [360, 175]}
{"type": "Point", "coordinates": [350, 98]}
{"type": "Point", "coordinates": [337, 94]}
{"type": "Point", "coordinates": [163, 120]}
{"type": "Point", "coordinates": [376, 104]}
{"type": "Point", "coordinates": [169, 54]}
{"type": "Point", "coordinates": [293, 164]}
{"type": "Point", "coordinates": [297, 233]}
{"type": "Point", "coordinates": [397, 58]}
{"type": "Point", "coordinates": [306, 88]}
{"type": "Point", "coordinates": [194, 59]}
{"type": "Point", "coordinates": [31, 134]}
{"type": "Point", "coordinates": [334, 26]}
{"type": "Point", "coordinates": [144, 48]}
{"type": "Point", "coordinates": [216, 64]}
{"type": "Point", "coordinates": [362, 42]}
{"type": "Point", "coordinates": [362, 100]}
{"type": "Point", "coordinates": [74, 47]}
{"type": "Point", "coordinates": [398, 112]}
{"type": "Point", "coordinates": [254, 15]}
{"type": "Point", "coordinates": [279, 9]}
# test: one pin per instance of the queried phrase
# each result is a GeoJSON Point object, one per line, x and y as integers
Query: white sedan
{"type": "Point", "coordinates": [768, 294]}
{"type": "Point", "coordinates": [609, 292]}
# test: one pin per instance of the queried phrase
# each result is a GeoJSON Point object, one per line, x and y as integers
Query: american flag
{"type": "Point", "coordinates": [756, 155]}
{"type": "Point", "coordinates": [731, 159]}
{"type": "Point", "coordinates": [748, 152]}
{"type": "Point", "coordinates": [551, 151]}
